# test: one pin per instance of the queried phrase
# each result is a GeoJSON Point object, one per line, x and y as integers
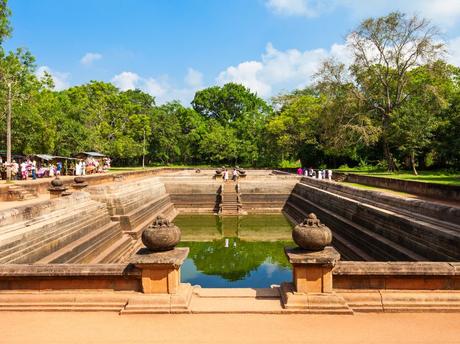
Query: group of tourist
{"type": "Point", "coordinates": [235, 174]}
{"type": "Point", "coordinates": [29, 167]}
{"type": "Point", "coordinates": [91, 165]}
{"type": "Point", "coordinates": [318, 174]}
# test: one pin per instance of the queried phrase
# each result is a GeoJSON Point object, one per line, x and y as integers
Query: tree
{"type": "Point", "coordinates": [5, 25]}
{"type": "Point", "coordinates": [16, 82]}
{"type": "Point", "coordinates": [415, 122]}
{"type": "Point", "coordinates": [385, 50]}
{"type": "Point", "coordinates": [228, 103]}
{"type": "Point", "coordinates": [239, 111]}
{"type": "Point", "coordinates": [296, 123]}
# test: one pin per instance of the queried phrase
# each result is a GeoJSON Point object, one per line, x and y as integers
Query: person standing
{"type": "Point", "coordinates": [235, 175]}
{"type": "Point", "coordinates": [24, 170]}
{"type": "Point", "coordinates": [83, 168]}
{"type": "Point", "coordinates": [225, 175]}
{"type": "Point", "coordinates": [78, 168]}
{"type": "Point", "coordinates": [51, 170]}
{"type": "Point", "coordinates": [33, 167]}
{"type": "Point", "coordinates": [58, 168]}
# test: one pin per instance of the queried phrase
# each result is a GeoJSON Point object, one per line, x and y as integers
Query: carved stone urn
{"type": "Point", "coordinates": [57, 188]}
{"type": "Point", "coordinates": [79, 183]}
{"type": "Point", "coordinates": [311, 234]}
{"type": "Point", "coordinates": [161, 235]}
{"type": "Point", "coordinates": [241, 171]}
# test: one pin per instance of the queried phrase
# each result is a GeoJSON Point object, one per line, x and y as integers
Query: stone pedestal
{"type": "Point", "coordinates": [79, 183]}
{"type": "Point", "coordinates": [56, 192]}
{"type": "Point", "coordinates": [311, 290]}
{"type": "Point", "coordinates": [160, 270]}
{"type": "Point", "coordinates": [312, 271]}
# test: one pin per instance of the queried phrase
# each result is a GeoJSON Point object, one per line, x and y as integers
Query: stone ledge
{"type": "Point", "coordinates": [296, 255]}
{"type": "Point", "coordinates": [397, 268]}
{"type": "Point", "coordinates": [68, 270]}
{"type": "Point", "coordinates": [173, 257]}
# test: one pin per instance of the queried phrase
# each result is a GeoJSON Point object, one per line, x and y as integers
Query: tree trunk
{"type": "Point", "coordinates": [386, 146]}
{"type": "Point", "coordinates": [412, 162]}
{"type": "Point", "coordinates": [388, 156]}
{"type": "Point", "coordinates": [8, 135]}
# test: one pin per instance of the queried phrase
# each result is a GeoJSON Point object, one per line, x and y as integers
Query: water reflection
{"type": "Point", "coordinates": [235, 251]}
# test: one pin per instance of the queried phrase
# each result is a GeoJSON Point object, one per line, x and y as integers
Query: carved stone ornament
{"type": "Point", "coordinates": [161, 235]}
{"type": "Point", "coordinates": [311, 234]}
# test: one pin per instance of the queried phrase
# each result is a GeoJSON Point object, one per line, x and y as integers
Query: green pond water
{"type": "Point", "coordinates": [235, 251]}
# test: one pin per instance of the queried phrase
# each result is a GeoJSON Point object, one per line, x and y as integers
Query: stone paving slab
{"type": "Point", "coordinates": [238, 292]}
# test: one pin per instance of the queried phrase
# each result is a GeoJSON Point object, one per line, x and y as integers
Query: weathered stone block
{"type": "Point", "coordinates": [160, 270]}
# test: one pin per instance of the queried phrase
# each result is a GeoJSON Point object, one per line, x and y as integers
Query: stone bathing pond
{"type": "Point", "coordinates": [235, 251]}
{"type": "Point", "coordinates": [88, 241]}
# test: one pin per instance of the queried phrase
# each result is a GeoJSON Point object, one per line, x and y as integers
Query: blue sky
{"type": "Point", "coordinates": [171, 48]}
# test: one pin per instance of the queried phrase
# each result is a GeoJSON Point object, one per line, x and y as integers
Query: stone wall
{"type": "Point", "coordinates": [439, 191]}
{"type": "Point", "coordinates": [72, 229]}
{"type": "Point", "coordinates": [411, 206]}
{"type": "Point", "coordinates": [193, 194]}
{"type": "Point", "coordinates": [134, 203]}
{"type": "Point", "coordinates": [200, 193]}
{"type": "Point", "coordinates": [347, 276]}
{"type": "Point", "coordinates": [267, 194]}
{"type": "Point", "coordinates": [369, 231]}
{"type": "Point", "coordinates": [396, 275]}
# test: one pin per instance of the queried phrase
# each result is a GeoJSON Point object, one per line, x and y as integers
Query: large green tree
{"type": "Point", "coordinates": [385, 50]}
{"type": "Point", "coordinates": [237, 115]}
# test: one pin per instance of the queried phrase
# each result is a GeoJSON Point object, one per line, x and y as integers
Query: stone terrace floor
{"type": "Point", "coordinates": [81, 327]}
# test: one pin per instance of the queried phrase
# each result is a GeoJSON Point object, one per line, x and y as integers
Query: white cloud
{"type": "Point", "coordinates": [442, 12]}
{"type": "Point", "coordinates": [193, 78]}
{"type": "Point", "coordinates": [60, 79]}
{"type": "Point", "coordinates": [453, 49]}
{"type": "Point", "coordinates": [89, 58]}
{"type": "Point", "coordinates": [154, 87]}
{"type": "Point", "coordinates": [160, 88]}
{"type": "Point", "coordinates": [126, 80]}
{"type": "Point", "coordinates": [247, 74]}
{"type": "Point", "coordinates": [293, 7]}
{"type": "Point", "coordinates": [280, 70]}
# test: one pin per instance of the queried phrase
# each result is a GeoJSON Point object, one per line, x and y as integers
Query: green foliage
{"type": "Point", "coordinates": [5, 25]}
{"type": "Point", "coordinates": [397, 105]}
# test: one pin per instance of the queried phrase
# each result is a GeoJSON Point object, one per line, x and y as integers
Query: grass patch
{"type": "Point", "coordinates": [437, 177]}
{"type": "Point", "coordinates": [374, 188]}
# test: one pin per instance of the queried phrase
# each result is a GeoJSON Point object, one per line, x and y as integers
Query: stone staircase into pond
{"type": "Point", "coordinates": [135, 204]}
{"type": "Point", "coordinates": [369, 225]}
{"type": "Point", "coordinates": [230, 201]}
{"type": "Point", "coordinates": [102, 225]}
{"type": "Point", "coordinates": [20, 193]}
{"type": "Point", "coordinates": [72, 229]}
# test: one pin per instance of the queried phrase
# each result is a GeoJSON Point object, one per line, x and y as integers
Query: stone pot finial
{"type": "Point", "coordinates": [311, 234]}
{"type": "Point", "coordinates": [57, 188]}
{"type": "Point", "coordinates": [161, 235]}
{"type": "Point", "coordinates": [56, 182]}
{"type": "Point", "coordinates": [79, 183]}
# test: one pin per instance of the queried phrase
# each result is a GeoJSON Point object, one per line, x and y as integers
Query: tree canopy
{"type": "Point", "coordinates": [397, 104]}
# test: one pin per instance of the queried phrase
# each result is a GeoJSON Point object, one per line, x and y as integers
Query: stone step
{"type": "Point", "coordinates": [77, 249]}
{"type": "Point", "coordinates": [112, 253]}
{"type": "Point", "coordinates": [28, 250]}
{"type": "Point", "coordinates": [20, 193]}
{"type": "Point", "coordinates": [228, 305]}
{"type": "Point", "coordinates": [376, 245]}
{"type": "Point", "coordinates": [422, 238]}
{"type": "Point", "coordinates": [347, 249]}
{"type": "Point", "coordinates": [427, 211]}
{"type": "Point", "coordinates": [82, 209]}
